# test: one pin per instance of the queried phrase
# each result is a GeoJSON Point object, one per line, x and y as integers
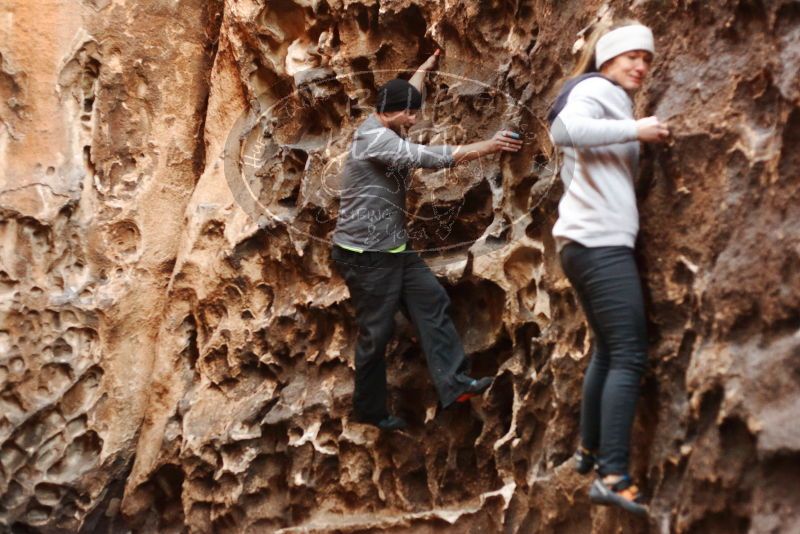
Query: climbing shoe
{"type": "Point", "coordinates": [475, 388]}
{"type": "Point", "coordinates": [392, 422]}
{"type": "Point", "coordinates": [584, 460]}
{"type": "Point", "coordinates": [623, 494]}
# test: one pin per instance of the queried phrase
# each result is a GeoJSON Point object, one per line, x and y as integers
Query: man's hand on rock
{"type": "Point", "coordinates": [505, 141]}
{"type": "Point", "coordinates": [502, 141]}
{"type": "Point", "coordinates": [431, 61]}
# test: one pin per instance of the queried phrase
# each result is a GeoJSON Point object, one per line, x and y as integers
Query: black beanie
{"type": "Point", "coordinates": [398, 95]}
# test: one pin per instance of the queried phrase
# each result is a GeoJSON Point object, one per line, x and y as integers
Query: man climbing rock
{"type": "Point", "coordinates": [371, 250]}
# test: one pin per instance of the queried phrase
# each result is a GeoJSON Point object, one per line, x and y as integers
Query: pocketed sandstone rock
{"type": "Point", "coordinates": [176, 352]}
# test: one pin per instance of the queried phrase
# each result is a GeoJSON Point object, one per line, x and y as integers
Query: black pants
{"type": "Point", "coordinates": [606, 280]}
{"type": "Point", "coordinates": [379, 283]}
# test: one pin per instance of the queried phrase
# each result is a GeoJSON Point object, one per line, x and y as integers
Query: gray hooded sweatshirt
{"type": "Point", "coordinates": [372, 209]}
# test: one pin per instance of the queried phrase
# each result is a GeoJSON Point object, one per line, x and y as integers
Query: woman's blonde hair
{"type": "Point", "coordinates": [586, 59]}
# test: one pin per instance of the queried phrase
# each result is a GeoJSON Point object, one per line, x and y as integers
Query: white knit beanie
{"type": "Point", "coordinates": [621, 40]}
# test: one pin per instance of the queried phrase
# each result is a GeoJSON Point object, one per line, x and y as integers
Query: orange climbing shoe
{"type": "Point", "coordinates": [622, 493]}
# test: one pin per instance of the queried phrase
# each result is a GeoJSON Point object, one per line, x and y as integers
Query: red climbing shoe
{"type": "Point", "coordinates": [475, 388]}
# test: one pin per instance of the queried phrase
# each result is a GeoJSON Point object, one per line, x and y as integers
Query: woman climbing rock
{"type": "Point", "coordinates": [592, 119]}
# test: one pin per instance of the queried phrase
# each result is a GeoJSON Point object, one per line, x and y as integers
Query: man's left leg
{"type": "Point", "coordinates": [374, 280]}
{"type": "Point", "coordinates": [428, 306]}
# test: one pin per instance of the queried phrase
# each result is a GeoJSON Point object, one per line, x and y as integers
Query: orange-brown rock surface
{"type": "Point", "coordinates": [176, 352]}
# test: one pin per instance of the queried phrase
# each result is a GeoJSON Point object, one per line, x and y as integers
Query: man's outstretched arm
{"type": "Point", "coordinates": [386, 146]}
{"type": "Point", "coordinates": [418, 79]}
{"type": "Point", "coordinates": [502, 141]}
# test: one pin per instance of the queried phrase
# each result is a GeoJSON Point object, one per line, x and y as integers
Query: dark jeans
{"type": "Point", "coordinates": [606, 280]}
{"type": "Point", "coordinates": [380, 283]}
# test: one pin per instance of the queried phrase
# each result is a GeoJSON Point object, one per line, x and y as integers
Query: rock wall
{"type": "Point", "coordinates": [176, 352]}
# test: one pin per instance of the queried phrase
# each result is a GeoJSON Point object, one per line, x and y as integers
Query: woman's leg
{"type": "Point", "coordinates": [576, 260]}
{"type": "Point", "coordinates": [611, 293]}
{"type": "Point", "coordinates": [624, 319]}
{"type": "Point", "coordinates": [593, 384]}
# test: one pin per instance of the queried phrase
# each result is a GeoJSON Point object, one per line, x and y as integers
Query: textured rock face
{"type": "Point", "coordinates": [176, 352]}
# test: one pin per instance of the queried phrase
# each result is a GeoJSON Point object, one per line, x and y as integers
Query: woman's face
{"type": "Point", "coordinates": [628, 69]}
